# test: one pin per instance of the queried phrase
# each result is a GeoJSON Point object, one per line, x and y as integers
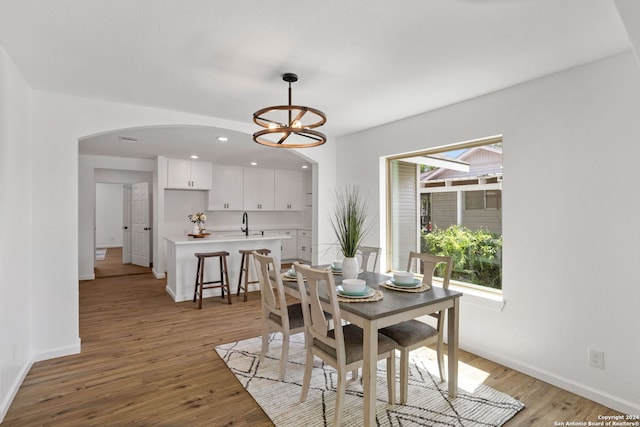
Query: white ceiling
{"type": "Point", "coordinates": [363, 62]}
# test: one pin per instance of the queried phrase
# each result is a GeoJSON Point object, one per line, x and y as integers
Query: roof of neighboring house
{"type": "Point", "coordinates": [484, 161]}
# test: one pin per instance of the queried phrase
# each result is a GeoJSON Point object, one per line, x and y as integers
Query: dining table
{"type": "Point", "coordinates": [394, 307]}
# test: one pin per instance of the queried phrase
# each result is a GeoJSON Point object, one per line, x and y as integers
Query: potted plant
{"type": "Point", "coordinates": [348, 221]}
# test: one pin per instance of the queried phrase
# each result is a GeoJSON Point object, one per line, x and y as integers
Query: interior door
{"type": "Point", "coordinates": [126, 224]}
{"type": "Point", "coordinates": [140, 224]}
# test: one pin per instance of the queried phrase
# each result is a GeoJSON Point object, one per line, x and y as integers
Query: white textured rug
{"type": "Point", "coordinates": [427, 405]}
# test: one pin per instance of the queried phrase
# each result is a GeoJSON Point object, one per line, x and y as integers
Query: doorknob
{"type": "Point", "coordinates": [125, 227]}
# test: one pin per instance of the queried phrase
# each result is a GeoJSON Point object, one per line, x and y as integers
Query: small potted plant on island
{"type": "Point", "coordinates": [348, 221]}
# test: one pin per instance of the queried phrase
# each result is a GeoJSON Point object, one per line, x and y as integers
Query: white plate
{"type": "Point", "coordinates": [368, 292]}
{"type": "Point", "coordinates": [416, 283]}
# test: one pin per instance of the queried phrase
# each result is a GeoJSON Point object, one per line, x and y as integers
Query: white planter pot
{"type": "Point", "coordinates": [350, 268]}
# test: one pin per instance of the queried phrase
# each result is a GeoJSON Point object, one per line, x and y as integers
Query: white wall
{"type": "Point", "coordinates": [109, 215]}
{"type": "Point", "coordinates": [16, 235]}
{"type": "Point", "coordinates": [570, 143]}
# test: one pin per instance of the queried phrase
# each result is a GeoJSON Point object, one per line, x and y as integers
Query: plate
{"type": "Point", "coordinates": [366, 293]}
{"type": "Point", "coordinates": [415, 284]}
{"type": "Point", "coordinates": [290, 274]}
{"type": "Point", "coordinates": [336, 268]}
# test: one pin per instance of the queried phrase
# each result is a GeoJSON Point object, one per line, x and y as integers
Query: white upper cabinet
{"type": "Point", "coordinates": [288, 190]}
{"type": "Point", "coordinates": [188, 174]}
{"type": "Point", "coordinates": [258, 189]}
{"type": "Point", "coordinates": [227, 189]}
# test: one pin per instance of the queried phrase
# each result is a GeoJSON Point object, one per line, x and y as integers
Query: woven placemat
{"type": "Point", "coordinates": [421, 288]}
{"type": "Point", "coordinates": [377, 296]}
{"type": "Point", "coordinates": [286, 278]}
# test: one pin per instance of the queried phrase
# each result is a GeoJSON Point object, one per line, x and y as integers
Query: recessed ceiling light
{"type": "Point", "coordinates": [304, 166]}
{"type": "Point", "coordinates": [193, 156]}
{"type": "Point", "coordinates": [223, 139]}
{"type": "Point", "coordinates": [254, 164]}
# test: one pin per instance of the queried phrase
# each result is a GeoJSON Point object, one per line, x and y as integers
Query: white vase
{"type": "Point", "coordinates": [350, 268]}
{"type": "Point", "coordinates": [196, 229]}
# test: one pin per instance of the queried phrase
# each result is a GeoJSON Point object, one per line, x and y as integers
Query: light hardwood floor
{"type": "Point", "coordinates": [147, 361]}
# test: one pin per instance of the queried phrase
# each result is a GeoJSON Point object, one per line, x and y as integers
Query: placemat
{"type": "Point", "coordinates": [421, 288]}
{"type": "Point", "coordinates": [377, 296]}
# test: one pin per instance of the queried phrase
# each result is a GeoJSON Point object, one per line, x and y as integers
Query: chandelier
{"type": "Point", "coordinates": [289, 126]}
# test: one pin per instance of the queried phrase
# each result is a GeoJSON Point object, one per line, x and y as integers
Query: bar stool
{"type": "Point", "coordinates": [244, 268]}
{"type": "Point", "coordinates": [224, 276]}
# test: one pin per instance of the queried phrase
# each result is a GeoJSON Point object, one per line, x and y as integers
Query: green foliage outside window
{"type": "Point", "coordinates": [477, 255]}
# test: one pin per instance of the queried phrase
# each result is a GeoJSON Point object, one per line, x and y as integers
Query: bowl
{"type": "Point", "coordinates": [354, 285]}
{"type": "Point", "coordinates": [403, 277]}
{"type": "Point", "coordinates": [337, 265]}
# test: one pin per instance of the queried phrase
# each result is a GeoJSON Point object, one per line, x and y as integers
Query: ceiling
{"type": "Point", "coordinates": [364, 63]}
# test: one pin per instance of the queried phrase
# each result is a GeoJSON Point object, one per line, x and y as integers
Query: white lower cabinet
{"type": "Point", "coordinates": [289, 247]}
{"type": "Point", "coordinates": [304, 245]}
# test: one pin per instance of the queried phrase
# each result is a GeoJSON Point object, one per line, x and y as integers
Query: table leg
{"type": "Point", "coordinates": [452, 347]}
{"type": "Point", "coordinates": [369, 372]}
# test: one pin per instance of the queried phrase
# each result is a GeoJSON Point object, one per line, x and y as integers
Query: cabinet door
{"type": "Point", "coordinates": [226, 189]}
{"type": "Point", "coordinates": [304, 249]}
{"type": "Point", "coordinates": [258, 189]}
{"type": "Point", "coordinates": [234, 179]}
{"type": "Point", "coordinates": [289, 247]}
{"type": "Point", "coordinates": [200, 174]}
{"type": "Point", "coordinates": [178, 173]}
{"type": "Point", "coordinates": [288, 190]}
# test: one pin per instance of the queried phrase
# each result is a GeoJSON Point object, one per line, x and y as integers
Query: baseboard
{"type": "Point", "coordinates": [87, 277]}
{"type": "Point", "coordinates": [13, 389]}
{"type": "Point", "coordinates": [158, 274]}
{"type": "Point", "coordinates": [15, 386]}
{"type": "Point", "coordinates": [58, 352]}
{"type": "Point", "coordinates": [614, 402]}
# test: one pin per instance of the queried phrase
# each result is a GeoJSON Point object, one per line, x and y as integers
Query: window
{"type": "Point", "coordinates": [449, 202]}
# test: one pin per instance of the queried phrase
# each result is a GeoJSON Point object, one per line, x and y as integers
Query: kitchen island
{"type": "Point", "coordinates": [182, 264]}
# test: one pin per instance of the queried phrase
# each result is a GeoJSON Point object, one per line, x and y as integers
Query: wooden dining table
{"type": "Point", "coordinates": [394, 307]}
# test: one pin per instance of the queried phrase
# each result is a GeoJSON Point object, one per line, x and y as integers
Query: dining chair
{"type": "Point", "coordinates": [369, 255]}
{"type": "Point", "coordinates": [277, 316]}
{"type": "Point", "coordinates": [341, 346]}
{"type": "Point", "coordinates": [413, 334]}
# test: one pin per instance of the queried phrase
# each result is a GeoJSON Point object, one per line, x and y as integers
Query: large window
{"type": "Point", "coordinates": [449, 202]}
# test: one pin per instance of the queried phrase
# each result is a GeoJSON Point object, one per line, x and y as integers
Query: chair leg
{"type": "Point", "coordinates": [391, 377]}
{"type": "Point", "coordinates": [225, 280]}
{"type": "Point", "coordinates": [404, 375]}
{"type": "Point", "coordinates": [201, 288]}
{"type": "Point", "coordinates": [340, 392]}
{"type": "Point", "coordinates": [443, 375]}
{"type": "Point", "coordinates": [195, 289]}
{"type": "Point", "coordinates": [242, 267]}
{"type": "Point", "coordinates": [265, 341]}
{"type": "Point", "coordinates": [284, 356]}
{"type": "Point", "coordinates": [306, 381]}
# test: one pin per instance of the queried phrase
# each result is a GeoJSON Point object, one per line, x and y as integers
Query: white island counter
{"type": "Point", "coordinates": [182, 264]}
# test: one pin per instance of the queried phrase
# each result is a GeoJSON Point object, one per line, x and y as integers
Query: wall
{"type": "Point", "coordinates": [16, 235]}
{"type": "Point", "coordinates": [570, 143]}
{"type": "Point", "coordinates": [109, 215]}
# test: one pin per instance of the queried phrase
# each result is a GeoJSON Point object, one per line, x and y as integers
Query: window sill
{"type": "Point", "coordinates": [474, 295]}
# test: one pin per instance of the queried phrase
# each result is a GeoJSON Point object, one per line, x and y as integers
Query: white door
{"type": "Point", "coordinates": [140, 225]}
{"type": "Point", "coordinates": [126, 225]}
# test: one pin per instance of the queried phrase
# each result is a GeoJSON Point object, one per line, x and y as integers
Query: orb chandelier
{"type": "Point", "coordinates": [289, 126]}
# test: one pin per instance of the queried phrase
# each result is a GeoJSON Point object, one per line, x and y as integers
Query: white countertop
{"type": "Point", "coordinates": [213, 238]}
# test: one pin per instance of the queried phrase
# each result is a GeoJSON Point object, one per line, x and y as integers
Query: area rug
{"type": "Point", "coordinates": [427, 404]}
{"type": "Point", "coordinates": [101, 254]}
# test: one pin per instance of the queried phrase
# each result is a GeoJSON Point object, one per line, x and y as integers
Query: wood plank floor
{"type": "Point", "coordinates": [147, 361]}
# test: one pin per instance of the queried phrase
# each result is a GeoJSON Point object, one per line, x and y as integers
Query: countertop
{"type": "Point", "coordinates": [215, 238]}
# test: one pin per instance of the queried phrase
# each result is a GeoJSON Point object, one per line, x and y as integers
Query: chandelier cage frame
{"type": "Point", "coordinates": [283, 121]}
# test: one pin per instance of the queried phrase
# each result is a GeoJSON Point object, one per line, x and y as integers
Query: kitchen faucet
{"type": "Point", "coordinates": [245, 220]}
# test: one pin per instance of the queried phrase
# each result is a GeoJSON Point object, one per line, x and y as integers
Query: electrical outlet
{"type": "Point", "coordinates": [596, 358]}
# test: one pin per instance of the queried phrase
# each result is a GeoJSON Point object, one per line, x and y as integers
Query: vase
{"type": "Point", "coordinates": [196, 229]}
{"type": "Point", "coordinates": [350, 268]}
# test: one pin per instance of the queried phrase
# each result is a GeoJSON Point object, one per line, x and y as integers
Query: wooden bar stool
{"type": "Point", "coordinates": [244, 269]}
{"type": "Point", "coordinates": [224, 276]}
